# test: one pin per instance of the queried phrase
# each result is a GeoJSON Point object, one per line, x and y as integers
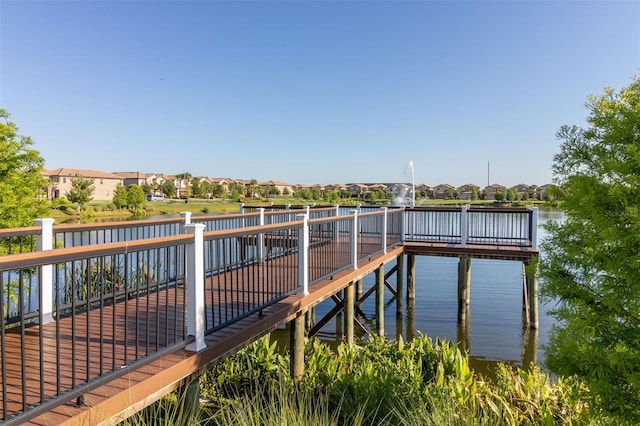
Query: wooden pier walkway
{"type": "Point", "coordinates": [109, 352]}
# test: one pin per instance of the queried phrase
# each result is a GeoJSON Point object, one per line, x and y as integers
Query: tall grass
{"type": "Point", "coordinates": [419, 382]}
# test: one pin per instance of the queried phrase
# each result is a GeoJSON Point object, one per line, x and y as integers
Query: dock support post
{"type": "Point", "coordinates": [349, 312]}
{"type": "Point", "coordinates": [359, 289]}
{"type": "Point", "coordinates": [411, 277]}
{"type": "Point", "coordinates": [189, 399]}
{"type": "Point", "coordinates": [464, 287]}
{"type": "Point", "coordinates": [310, 317]}
{"type": "Point", "coordinates": [531, 277]}
{"type": "Point", "coordinates": [380, 300]}
{"type": "Point", "coordinates": [399, 284]}
{"type": "Point", "coordinates": [45, 242]}
{"type": "Point", "coordinates": [529, 351]}
{"type": "Point", "coordinates": [297, 347]}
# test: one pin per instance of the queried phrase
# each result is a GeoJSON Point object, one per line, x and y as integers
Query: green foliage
{"type": "Point", "coordinates": [135, 196]}
{"type": "Point", "coordinates": [475, 195]}
{"type": "Point", "coordinates": [22, 197]}
{"type": "Point", "coordinates": [61, 203]}
{"type": "Point", "coordinates": [592, 259]}
{"type": "Point", "coordinates": [169, 189]}
{"type": "Point", "coordinates": [81, 191]}
{"type": "Point", "coordinates": [385, 383]}
{"type": "Point", "coordinates": [120, 198]}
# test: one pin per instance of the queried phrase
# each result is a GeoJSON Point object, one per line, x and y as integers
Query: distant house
{"type": "Point", "coordinates": [225, 183]}
{"type": "Point", "coordinates": [280, 186]}
{"type": "Point", "coordinates": [133, 178]}
{"type": "Point", "coordinates": [491, 191]}
{"type": "Point", "coordinates": [60, 182]}
{"type": "Point", "coordinates": [441, 191]}
{"type": "Point", "coordinates": [521, 189]}
{"type": "Point", "coordinates": [424, 189]}
{"type": "Point", "coordinates": [543, 191]}
{"type": "Point", "coordinates": [338, 187]}
{"type": "Point", "coordinates": [357, 189]}
{"type": "Point", "coordinates": [466, 191]}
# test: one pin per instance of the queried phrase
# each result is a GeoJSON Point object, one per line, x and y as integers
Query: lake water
{"type": "Point", "coordinates": [494, 331]}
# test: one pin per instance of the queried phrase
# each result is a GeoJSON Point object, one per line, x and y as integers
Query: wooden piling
{"type": "Point", "coordinates": [399, 284]}
{"type": "Point", "coordinates": [464, 287]}
{"type": "Point", "coordinates": [310, 318]}
{"type": "Point", "coordinates": [380, 300]}
{"type": "Point", "coordinates": [189, 399]}
{"type": "Point", "coordinates": [349, 311]}
{"type": "Point", "coordinates": [411, 327]}
{"type": "Point", "coordinates": [359, 289]}
{"type": "Point", "coordinates": [411, 277]}
{"type": "Point", "coordinates": [296, 347]}
{"type": "Point", "coordinates": [531, 275]}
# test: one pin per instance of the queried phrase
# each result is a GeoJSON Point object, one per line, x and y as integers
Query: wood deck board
{"type": "Point", "coordinates": [125, 332]}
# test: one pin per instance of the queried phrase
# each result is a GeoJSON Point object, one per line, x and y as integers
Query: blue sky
{"type": "Point", "coordinates": [311, 91]}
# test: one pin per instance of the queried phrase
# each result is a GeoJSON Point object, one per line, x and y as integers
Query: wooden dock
{"type": "Point", "coordinates": [125, 337]}
{"type": "Point", "coordinates": [140, 386]}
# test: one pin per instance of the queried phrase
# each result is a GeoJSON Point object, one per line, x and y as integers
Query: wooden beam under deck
{"type": "Point", "coordinates": [142, 386]}
{"type": "Point", "coordinates": [478, 251]}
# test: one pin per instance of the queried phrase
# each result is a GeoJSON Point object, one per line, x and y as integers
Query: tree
{"type": "Point", "coordinates": [592, 259]}
{"type": "Point", "coordinates": [120, 197]}
{"type": "Point", "coordinates": [452, 194]}
{"type": "Point", "coordinates": [135, 196]}
{"type": "Point", "coordinates": [474, 193]}
{"type": "Point", "coordinates": [81, 191]}
{"type": "Point", "coordinates": [169, 189]}
{"type": "Point", "coordinates": [22, 197]}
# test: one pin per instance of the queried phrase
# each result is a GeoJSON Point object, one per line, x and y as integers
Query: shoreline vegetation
{"type": "Point", "coordinates": [104, 211]}
{"type": "Point", "coordinates": [377, 382]}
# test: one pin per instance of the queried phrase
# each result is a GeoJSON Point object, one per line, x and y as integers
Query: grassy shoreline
{"type": "Point", "coordinates": [104, 210]}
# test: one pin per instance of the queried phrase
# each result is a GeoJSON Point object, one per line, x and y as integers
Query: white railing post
{"type": "Point", "coordinates": [385, 216]}
{"type": "Point", "coordinates": [187, 220]}
{"type": "Point", "coordinates": [194, 280]}
{"type": "Point", "coordinates": [534, 228]}
{"type": "Point", "coordinates": [241, 208]}
{"type": "Point", "coordinates": [464, 225]}
{"type": "Point", "coordinates": [303, 254]}
{"type": "Point", "coordinates": [260, 241]}
{"type": "Point", "coordinates": [45, 242]}
{"type": "Point", "coordinates": [403, 222]}
{"type": "Point", "coordinates": [353, 239]}
{"type": "Point", "coordinates": [336, 224]}
{"type": "Point", "coordinates": [307, 210]}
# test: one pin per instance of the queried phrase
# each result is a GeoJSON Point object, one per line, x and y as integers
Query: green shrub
{"type": "Point", "coordinates": [382, 382]}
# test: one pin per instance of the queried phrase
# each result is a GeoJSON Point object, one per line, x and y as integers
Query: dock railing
{"type": "Point", "coordinates": [74, 318]}
{"type": "Point", "coordinates": [472, 226]}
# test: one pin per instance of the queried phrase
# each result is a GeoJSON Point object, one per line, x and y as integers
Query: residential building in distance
{"type": "Point", "coordinates": [521, 189]}
{"type": "Point", "coordinates": [491, 191]}
{"type": "Point", "coordinates": [466, 191]}
{"type": "Point", "coordinates": [60, 182]}
{"type": "Point", "coordinates": [440, 192]}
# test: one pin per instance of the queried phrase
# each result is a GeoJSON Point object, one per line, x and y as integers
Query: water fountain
{"type": "Point", "coordinates": [400, 198]}
{"type": "Point", "coordinates": [413, 183]}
